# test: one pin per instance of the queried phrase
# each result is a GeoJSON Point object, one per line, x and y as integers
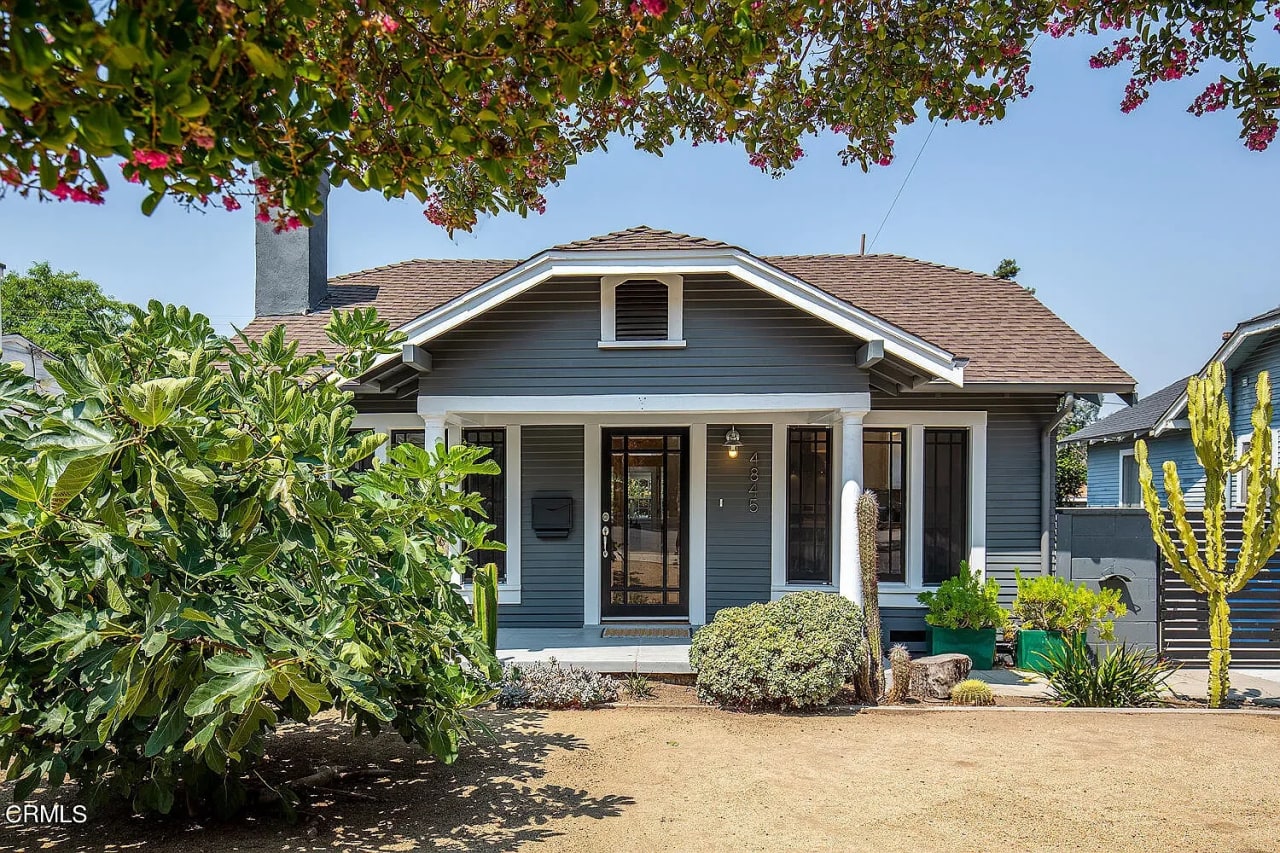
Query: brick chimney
{"type": "Point", "coordinates": [292, 267]}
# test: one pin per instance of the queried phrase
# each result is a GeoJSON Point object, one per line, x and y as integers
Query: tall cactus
{"type": "Point", "coordinates": [1205, 567]}
{"type": "Point", "coordinates": [484, 603]}
{"type": "Point", "coordinates": [868, 524]}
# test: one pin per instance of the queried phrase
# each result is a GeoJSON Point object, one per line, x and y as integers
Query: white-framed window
{"type": "Point", "coordinates": [501, 495]}
{"type": "Point", "coordinates": [929, 470]}
{"type": "Point", "coordinates": [1130, 486]}
{"type": "Point", "coordinates": [1240, 481]}
{"type": "Point", "coordinates": [641, 311]}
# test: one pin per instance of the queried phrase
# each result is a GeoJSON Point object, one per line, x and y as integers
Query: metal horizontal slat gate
{"type": "Point", "coordinates": [1255, 610]}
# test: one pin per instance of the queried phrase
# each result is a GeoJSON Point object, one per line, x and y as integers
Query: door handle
{"type": "Point", "coordinates": [604, 541]}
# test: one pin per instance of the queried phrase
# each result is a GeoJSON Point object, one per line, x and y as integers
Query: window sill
{"type": "Point", "coordinates": [777, 592]}
{"type": "Point", "coordinates": [640, 344]}
{"type": "Point", "coordinates": [506, 594]}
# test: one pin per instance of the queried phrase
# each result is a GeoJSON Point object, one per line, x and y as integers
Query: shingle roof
{"type": "Point", "coordinates": [641, 238]}
{"type": "Point", "coordinates": [1132, 420]}
{"type": "Point", "coordinates": [400, 292]}
{"type": "Point", "coordinates": [1007, 335]}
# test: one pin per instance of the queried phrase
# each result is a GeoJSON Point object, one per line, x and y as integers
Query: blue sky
{"type": "Point", "coordinates": [1149, 233]}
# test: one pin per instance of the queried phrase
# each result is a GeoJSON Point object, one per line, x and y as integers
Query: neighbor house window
{"type": "Point", "coordinates": [946, 503]}
{"type": "Point", "coordinates": [808, 505]}
{"type": "Point", "coordinates": [1130, 487]}
{"type": "Point", "coordinates": [492, 489]}
{"type": "Point", "coordinates": [884, 469]}
{"type": "Point", "coordinates": [641, 312]}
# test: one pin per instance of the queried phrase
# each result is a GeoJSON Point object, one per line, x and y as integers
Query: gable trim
{"type": "Point", "coordinates": [1230, 346]}
{"type": "Point", "coordinates": [911, 349]}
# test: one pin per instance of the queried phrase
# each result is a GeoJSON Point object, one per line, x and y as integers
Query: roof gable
{"type": "Point", "coordinates": [1235, 347]}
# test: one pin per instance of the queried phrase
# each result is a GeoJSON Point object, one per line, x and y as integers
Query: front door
{"type": "Point", "coordinates": [644, 525]}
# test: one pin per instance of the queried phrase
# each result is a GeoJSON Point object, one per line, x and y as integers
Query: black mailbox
{"type": "Point", "coordinates": [552, 516]}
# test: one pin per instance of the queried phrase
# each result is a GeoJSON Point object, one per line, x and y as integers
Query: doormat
{"type": "Point", "coordinates": [680, 632]}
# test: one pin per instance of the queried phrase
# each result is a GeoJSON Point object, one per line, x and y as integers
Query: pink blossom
{"type": "Point", "coordinates": [885, 160]}
{"type": "Point", "coordinates": [1059, 28]}
{"type": "Point", "coordinates": [386, 22]}
{"type": "Point", "coordinates": [151, 159]}
{"type": "Point", "coordinates": [230, 202]}
{"type": "Point", "coordinates": [203, 140]}
{"type": "Point", "coordinates": [649, 7]}
{"type": "Point", "coordinates": [1261, 137]}
{"type": "Point", "coordinates": [1197, 29]}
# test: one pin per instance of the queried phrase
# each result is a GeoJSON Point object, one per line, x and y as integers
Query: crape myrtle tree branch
{"type": "Point", "coordinates": [477, 107]}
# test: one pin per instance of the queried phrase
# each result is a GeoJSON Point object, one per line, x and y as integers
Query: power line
{"type": "Point", "coordinates": [903, 186]}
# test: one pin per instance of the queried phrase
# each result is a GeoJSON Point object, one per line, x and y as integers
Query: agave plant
{"type": "Point", "coordinates": [1125, 677]}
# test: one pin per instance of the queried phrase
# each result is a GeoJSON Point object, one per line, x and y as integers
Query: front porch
{"type": "Point", "coordinates": [587, 648]}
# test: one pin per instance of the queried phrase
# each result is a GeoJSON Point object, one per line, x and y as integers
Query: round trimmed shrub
{"type": "Point", "coordinates": [797, 652]}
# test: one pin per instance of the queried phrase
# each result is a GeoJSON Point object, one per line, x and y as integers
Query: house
{"type": "Point", "coordinates": [1161, 420]}
{"type": "Point", "coordinates": [684, 426]}
{"type": "Point", "coordinates": [1112, 538]}
{"type": "Point", "coordinates": [32, 357]}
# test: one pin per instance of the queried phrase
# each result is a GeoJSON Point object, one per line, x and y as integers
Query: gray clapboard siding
{"type": "Point", "coordinates": [738, 540]}
{"type": "Point", "coordinates": [551, 460]}
{"type": "Point", "coordinates": [739, 340]}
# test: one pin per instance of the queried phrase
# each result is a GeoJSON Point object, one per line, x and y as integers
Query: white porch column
{"type": "Point", "coordinates": [850, 488]}
{"type": "Point", "coordinates": [434, 427]}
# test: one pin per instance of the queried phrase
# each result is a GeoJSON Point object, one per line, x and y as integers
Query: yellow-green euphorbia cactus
{"type": "Point", "coordinates": [1205, 566]}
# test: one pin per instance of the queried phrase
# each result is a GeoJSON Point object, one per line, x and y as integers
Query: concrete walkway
{"type": "Point", "coordinates": [1260, 686]}
{"type": "Point", "coordinates": [584, 647]}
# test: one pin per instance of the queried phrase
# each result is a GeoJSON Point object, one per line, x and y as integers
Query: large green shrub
{"type": "Point", "coordinates": [179, 571]}
{"type": "Point", "coordinates": [796, 652]}
{"type": "Point", "coordinates": [964, 601]}
{"type": "Point", "coordinates": [1052, 603]}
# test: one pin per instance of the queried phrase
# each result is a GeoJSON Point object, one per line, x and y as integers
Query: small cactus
{"type": "Point", "coordinates": [900, 662]}
{"type": "Point", "coordinates": [484, 604]}
{"type": "Point", "coordinates": [972, 691]}
{"type": "Point", "coordinates": [868, 523]}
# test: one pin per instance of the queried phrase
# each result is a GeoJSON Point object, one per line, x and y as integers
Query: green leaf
{"type": "Point", "coordinates": [75, 478]}
{"type": "Point", "coordinates": [172, 725]}
{"type": "Point", "coordinates": [263, 62]}
{"type": "Point", "coordinates": [116, 599]}
{"type": "Point", "coordinates": [20, 483]}
{"type": "Point", "coordinates": [153, 402]}
{"type": "Point", "coordinates": [194, 485]}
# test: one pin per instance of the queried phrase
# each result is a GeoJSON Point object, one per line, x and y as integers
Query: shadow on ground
{"type": "Point", "coordinates": [490, 800]}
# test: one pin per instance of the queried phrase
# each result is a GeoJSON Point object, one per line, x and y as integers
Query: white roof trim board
{"type": "Point", "coordinates": [928, 358]}
{"type": "Point", "coordinates": [1266, 323]}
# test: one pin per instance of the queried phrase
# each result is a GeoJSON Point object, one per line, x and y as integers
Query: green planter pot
{"type": "Point", "coordinates": [978, 643]}
{"type": "Point", "coordinates": [1035, 646]}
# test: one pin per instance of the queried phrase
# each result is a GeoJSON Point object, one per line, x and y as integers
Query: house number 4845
{"type": "Point", "coordinates": [753, 487]}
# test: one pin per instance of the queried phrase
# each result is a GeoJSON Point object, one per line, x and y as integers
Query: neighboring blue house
{"type": "Point", "coordinates": [1160, 419]}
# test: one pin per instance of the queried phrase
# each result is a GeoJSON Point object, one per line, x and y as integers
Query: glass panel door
{"type": "Point", "coordinates": [643, 528]}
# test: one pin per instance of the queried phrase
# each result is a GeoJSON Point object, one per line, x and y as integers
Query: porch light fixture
{"type": "Point", "coordinates": [732, 441]}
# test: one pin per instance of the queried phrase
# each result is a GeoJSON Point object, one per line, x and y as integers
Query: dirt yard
{"type": "Point", "coordinates": [644, 779]}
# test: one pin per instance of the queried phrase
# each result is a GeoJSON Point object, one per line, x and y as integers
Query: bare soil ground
{"type": "Point", "coordinates": [693, 779]}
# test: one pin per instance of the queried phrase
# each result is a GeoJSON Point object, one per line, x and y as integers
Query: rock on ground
{"type": "Point", "coordinates": [933, 677]}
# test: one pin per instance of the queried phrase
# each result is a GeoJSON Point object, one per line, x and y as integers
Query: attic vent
{"type": "Point", "coordinates": [640, 312]}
